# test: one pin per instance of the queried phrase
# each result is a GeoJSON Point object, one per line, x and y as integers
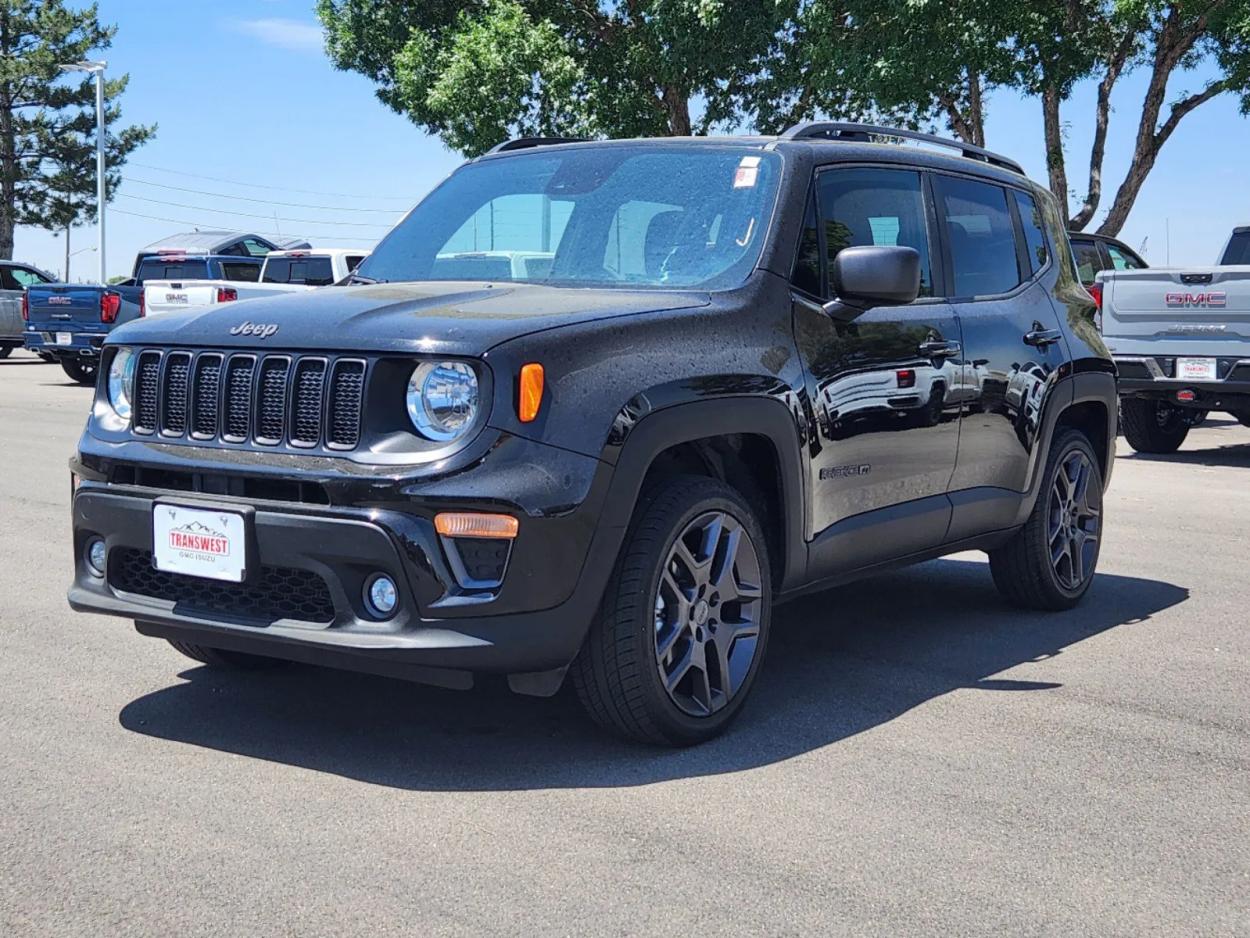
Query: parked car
{"type": "Point", "coordinates": [14, 279]}
{"type": "Point", "coordinates": [68, 322]}
{"type": "Point", "coordinates": [281, 272]}
{"type": "Point", "coordinates": [1095, 253]}
{"type": "Point", "coordinates": [1180, 337]}
{"type": "Point", "coordinates": [612, 473]}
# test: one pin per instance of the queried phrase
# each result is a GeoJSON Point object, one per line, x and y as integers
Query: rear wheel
{"type": "Point", "coordinates": [6, 351]}
{"type": "Point", "coordinates": [1153, 426]}
{"type": "Point", "coordinates": [1243, 418]}
{"type": "Point", "coordinates": [1050, 562]}
{"type": "Point", "coordinates": [221, 658]}
{"type": "Point", "coordinates": [79, 370]}
{"type": "Point", "coordinates": [684, 622]}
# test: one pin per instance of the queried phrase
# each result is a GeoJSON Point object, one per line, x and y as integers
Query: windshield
{"type": "Point", "coordinates": [633, 216]}
{"type": "Point", "coordinates": [1238, 250]}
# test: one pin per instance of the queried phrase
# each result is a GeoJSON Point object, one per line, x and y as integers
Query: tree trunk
{"type": "Point", "coordinates": [1054, 147]}
{"type": "Point", "coordinates": [66, 279]}
{"type": "Point", "coordinates": [1102, 117]}
{"type": "Point", "coordinates": [677, 107]}
{"type": "Point", "coordinates": [976, 112]}
{"type": "Point", "coordinates": [8, 151]}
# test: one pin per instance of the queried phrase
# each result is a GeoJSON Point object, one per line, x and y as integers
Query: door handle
{"type": "Point", "coordinates": [1040, 338]}
{"type": "Point", "coordinates": [938, 349]}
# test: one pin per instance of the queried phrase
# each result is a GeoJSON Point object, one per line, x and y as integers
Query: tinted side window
{"type": "Point", "coordinates": [1121, 260]}
{"type": "Point", "coordinates": [1088, 260]}
{"type": "Point", "coordinates": [254, 248]}
{"type": "Point", "coordinates": [353, 261]}
{"type": "Point", "coordinates": [806, 276]}
{"type": "Point", "coordinates": [1034, 230]}
{"type": "Point", "coordinates": [875, 207]}
{"type": "Point", "coordinates": [981, 236]}
{"type": "Point", "coordinates": [1238, 250]}
{"type": "Point", "coordinates": [22, 277]}
{"type": "Point", "coordinates": [157, 269]}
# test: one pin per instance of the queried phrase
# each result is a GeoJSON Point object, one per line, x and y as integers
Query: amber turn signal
{"type": "Point", "coordinates": [473, 524]}
{"type": "Point", "coordinates": [531, 397]}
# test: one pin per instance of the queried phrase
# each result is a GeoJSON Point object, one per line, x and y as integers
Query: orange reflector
{"type": "Point", "coordinates": [472, 524]}
{"type": "Point", "coordinates": [531, 392]}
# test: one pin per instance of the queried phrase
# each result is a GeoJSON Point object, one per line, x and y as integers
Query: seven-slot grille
{"type": "Point", "coordinates": [303, 401]}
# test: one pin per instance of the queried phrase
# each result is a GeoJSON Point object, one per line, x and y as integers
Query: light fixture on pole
{"type": "Point", "coordinates": [96, 69]}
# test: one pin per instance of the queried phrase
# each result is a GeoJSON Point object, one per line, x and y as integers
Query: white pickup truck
{"type": "Point", "coordinates": [283, 272]}
{"type": "Point", "coordinates": [1180, 337]}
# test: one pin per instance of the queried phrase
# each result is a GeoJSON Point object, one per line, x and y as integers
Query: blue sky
{"type": "Point", "coordinates": [244, 93]}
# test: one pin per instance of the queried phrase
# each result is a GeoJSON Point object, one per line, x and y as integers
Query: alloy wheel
{"type": "Point", "coordinates": [707, 613]}
{"type": "Point", "coordinates": [1075, 520]}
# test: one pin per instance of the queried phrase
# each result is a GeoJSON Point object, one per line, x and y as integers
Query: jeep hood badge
{"type": "Point", "coordinates": [260, 330]}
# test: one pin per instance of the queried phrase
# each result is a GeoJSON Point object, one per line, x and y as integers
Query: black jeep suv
{"type": "Point", "coordinates": [593, 408]}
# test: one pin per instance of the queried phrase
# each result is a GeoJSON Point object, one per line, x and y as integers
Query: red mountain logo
{"type": "Point", "coordinates": [199, 539]}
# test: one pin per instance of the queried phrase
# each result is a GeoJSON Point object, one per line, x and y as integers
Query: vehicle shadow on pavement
{"type": "Point", "coordinates": [839, 663]}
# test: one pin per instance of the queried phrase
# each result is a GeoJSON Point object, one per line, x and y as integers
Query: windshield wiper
{"type": "Point", "coordinates": [357, 278]}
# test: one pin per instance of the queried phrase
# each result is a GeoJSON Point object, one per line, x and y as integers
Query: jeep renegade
{"type": "Point", "coordinates": [594, 407]}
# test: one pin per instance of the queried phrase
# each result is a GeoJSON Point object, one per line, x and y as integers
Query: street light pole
{"type": "Point", "coordinates": [96, 69]}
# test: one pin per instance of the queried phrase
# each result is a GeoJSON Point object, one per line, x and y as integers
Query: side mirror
{"type": "Point", "coordinates": [873, 275]}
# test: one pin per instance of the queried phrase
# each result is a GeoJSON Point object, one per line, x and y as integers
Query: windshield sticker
{"type": "Point", "coordinates": [747, 172]}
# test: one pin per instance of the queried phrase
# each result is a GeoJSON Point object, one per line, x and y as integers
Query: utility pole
{"type": "Point", "coordinates": [96, 69]}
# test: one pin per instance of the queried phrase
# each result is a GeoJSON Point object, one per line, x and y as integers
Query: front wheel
{"type": "Point", "coordinates": [1050, 562]}
{"type": "Point", "coordinates": [1153, 426]}
{"type": "Point", "coordinates": [683, 626]}
{"type": "Point", "coordinates": [81, 371]}
{"type": "Point", "coordinates": [221, 658]}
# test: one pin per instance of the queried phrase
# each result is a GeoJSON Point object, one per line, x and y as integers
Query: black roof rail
{"type": "Point", "coordinates": [833, 130]}
{"type": "Point", "coordinates": [524, 143]}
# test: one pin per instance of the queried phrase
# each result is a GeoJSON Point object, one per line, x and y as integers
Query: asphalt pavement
{"type": "Point", "coordinates": [917, 758]}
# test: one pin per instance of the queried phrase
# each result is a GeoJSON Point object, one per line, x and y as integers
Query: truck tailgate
{"type": "Point", "coordinates": [169, 296]}
{"type": "Point", "coordinates": [1208, 309]}
{"type": "Point", "coordinates": [64, 305]}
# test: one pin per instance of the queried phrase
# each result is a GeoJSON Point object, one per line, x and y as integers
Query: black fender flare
{"type": "Point", "coordinates": [1079, 388]}
{"type": "Point", "coordinates": [659, 430]}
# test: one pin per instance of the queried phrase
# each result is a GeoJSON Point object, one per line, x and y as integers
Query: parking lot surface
{"type": "Point", "coordinates": [917, 758]}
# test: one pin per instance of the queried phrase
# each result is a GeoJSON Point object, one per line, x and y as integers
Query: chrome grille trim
{"type": "Point", "coordinates": [270, 400]}
{"type": "Point", "coordinates": [147, 392]}
{"type": "Point", "coordinates": [307, 401]}
{"type": "Point", "coordinates": [175, 383]}
{"type": "Point", "coordinates": [345, 403]}
{"type": "Point", "coordinates": [206, 402]}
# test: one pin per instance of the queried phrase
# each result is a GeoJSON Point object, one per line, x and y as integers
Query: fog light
{"type": "Point", "coordinates": [96, 555]}
{"type": "Point", "coordinates": [381, 596]}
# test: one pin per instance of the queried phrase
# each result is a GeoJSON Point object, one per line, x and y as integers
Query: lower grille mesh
{"type": "Point", "coordinates": [277, 593]}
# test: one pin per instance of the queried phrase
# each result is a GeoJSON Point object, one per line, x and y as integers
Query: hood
{"type": "Point", "coordinates": [432, 317]}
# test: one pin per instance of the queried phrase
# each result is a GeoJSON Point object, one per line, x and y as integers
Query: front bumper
{"type": "Point", "coordinates": [303, 599]}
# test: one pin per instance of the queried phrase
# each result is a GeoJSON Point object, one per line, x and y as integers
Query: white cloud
{"type": "Point", "coordinates": [296, 35]}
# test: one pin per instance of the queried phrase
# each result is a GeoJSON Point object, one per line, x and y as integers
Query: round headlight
{"type": "Point", "coordinates": [121, 384]}
{"type": "Point", "coordinates": [442, 399]}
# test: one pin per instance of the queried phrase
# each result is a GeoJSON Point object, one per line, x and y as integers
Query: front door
{"type": "Point", "coordinates": [883, 386]}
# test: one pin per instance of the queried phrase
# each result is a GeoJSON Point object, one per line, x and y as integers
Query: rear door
{"type": "Point", "coordinates": [13, 282]}
{"type": "Point", "coordinates": [881, 385]}
{"type": "Point", "coordinates": [998, 261]}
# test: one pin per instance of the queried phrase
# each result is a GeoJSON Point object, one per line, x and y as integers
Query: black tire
{"type": "Point", "coordinates": [617, 674]}
{"type": "Point", "coordinates": [1026, 569]}
{"type": "Point", "coordinates": [1243, 418]}
{"type": "Point", "coordinates": [81, 371]}
{"type": "Point", "coordinates": [46, 358]}
{"type": "Point", "coordinates": [1152, 426]}
{"type": "Point", "coordinates": [221, 658]}
{"type": "Point", "coordinates": [6, 351]}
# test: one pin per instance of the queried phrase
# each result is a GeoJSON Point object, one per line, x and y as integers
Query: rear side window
{"type": "Point", "coordinates": [16, 278]}
{"type": "Point", "coordinates": [309, 271]}
{"type": "Point", "coordinates": [248, 273]}
{"type": "Point", "coordinates": [353, 261]}
{"type": "Point", "coordinates": [874, 207]}
{"type": "Point", "coordinates": [1034, 231]}
{"type": "Point", "coordinates": [981, 236]}
{"type": "Point", "coordinates": [1088, 260]}
{"type": "Point", "coordinates": [806, 276]}
{"type": "Point", "coordinates": [1122, 260]}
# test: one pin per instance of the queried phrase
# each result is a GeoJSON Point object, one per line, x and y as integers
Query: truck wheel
{"type": "Point", "coordinates": [81, 371]}
{"type": "Point", "coordinates": [1152, 426]}
{"type": "Point", "coordinates": [1050, 562]}
{"type": "Point", "coordinates": [1243, 418]}
{"type": "Point", "coordinates": [6, 351]}
{"type": "Point", "coordinates": [683, 626]}
{"type": "Point", "coordinates": [221, 658]}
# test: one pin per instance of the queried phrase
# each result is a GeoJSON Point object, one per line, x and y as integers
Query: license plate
{"type": "Point", "coordinates": [65, 338]}
{"type": "Point", "coordinates": [1195, 369]}
{"type": "Point", "coordinates": [200, 542]}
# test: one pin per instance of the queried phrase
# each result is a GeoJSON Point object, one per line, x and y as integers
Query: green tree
{"type": "Point", "coordinates": [924, 62]}
{"type": "Point", "coordinates": [481, 71]}
{"type": "Point", "coordinates": [47, 119]}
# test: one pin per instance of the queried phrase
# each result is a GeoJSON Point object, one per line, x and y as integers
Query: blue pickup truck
{"type": "Point", "coordinates": [68, 322]}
